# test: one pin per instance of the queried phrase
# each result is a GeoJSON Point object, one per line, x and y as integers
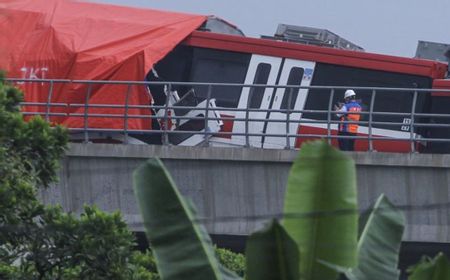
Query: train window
{"type": "Point", "coordinates": [174, 67]}
{"type": "Point", "coordinates": [318, 99]}
{"type": "Point", "coordinates": [386, 100]}
{"type": "Point", "coordinates": [393, 102]}
{"type": "Point", "coordinates": [295, 78]}
{"type": "Point", "coordinates": [261, 77]}
{"type": "Point", "coordinates": [211, 66]}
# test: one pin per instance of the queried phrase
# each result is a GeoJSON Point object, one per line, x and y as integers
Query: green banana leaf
{"type": "Point", "coordinates": [321, 209]}
{"type": "Point", "coordinates": [379, 244]}
{"type": "Point", "coordinates": [431, 269]}
{"type": "Point", "coordinates": [271, 254]}
{"type": "Point", "coordinates": [181, 246]}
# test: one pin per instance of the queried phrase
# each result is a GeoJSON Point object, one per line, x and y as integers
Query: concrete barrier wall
{"type": "Point", "coordinates": [236, 190]}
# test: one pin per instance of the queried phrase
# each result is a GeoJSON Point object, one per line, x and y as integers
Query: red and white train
{"type": "Point", "coordinates": [218, 58]}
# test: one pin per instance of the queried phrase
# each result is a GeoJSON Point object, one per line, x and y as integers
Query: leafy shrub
{"type": "Point", "coordinates": [44, 242]}
{"type": "Point", "coordinates": [233, 261]}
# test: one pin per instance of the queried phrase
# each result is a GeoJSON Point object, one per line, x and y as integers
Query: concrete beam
{"type": "Point", "coordinates": [237, 189]}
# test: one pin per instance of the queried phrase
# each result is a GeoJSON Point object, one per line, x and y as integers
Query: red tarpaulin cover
{"type": "Point", "coordinates": [59, 39]}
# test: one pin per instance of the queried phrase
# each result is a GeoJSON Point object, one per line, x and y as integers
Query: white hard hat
{"type": "Point", "coordinates": [349, 93]}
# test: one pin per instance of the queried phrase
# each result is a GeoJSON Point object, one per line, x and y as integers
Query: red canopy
{"type": "Point", "coordinates": [60, 39]}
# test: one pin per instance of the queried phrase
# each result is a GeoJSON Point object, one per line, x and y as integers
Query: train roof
{"type": "Point", "coordinates": [413, 66]}
{"type": "Point", "coordinates": [441, 84]}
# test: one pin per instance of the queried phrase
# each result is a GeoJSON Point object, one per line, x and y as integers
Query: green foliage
{"type": "Point", "coordinates": [181, 246]}
{"type": "Point", "coordinates": [95, 246]}
{"type": "Point", "coordinates": [320, 209]}
{"type": "Point", "coordinates": [144, 266]}
{"type": "Point", "coordinates": [25, 165]}
{"type": "Point", "coordinates": [378, 257]}
{"type": "Point", "coordinates": [232, 261]}
{"type": "Point", "coordinates": [379, 245]}
{"type": "Point", "coordinates": [33, 148]}
{"type": "Point", "coordinates": [43, 242]}
{"type": "Point", "coordinates": [431, 269]}
{"type": "Point", "coordinates": [272, 254]}
{"type": "Point", "coordinates": [320, 225]}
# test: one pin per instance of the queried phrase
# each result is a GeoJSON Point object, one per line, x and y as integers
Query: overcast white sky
{"type": "Point", "coordinates": [380, 26]}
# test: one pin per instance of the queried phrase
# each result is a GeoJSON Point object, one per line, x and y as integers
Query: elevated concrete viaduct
{"type": "Point", "coordinates": [233, 186]}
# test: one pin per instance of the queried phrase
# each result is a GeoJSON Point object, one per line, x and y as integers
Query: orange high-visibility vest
{"type": "Point", "coordinates": [351, 115]}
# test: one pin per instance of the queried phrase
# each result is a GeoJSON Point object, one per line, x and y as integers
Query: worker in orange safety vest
{"type": "Point", "coordinates": [348, 113]}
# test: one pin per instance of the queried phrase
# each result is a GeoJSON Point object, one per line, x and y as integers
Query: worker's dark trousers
{"type": "Point", "coordinates": [346, 144]}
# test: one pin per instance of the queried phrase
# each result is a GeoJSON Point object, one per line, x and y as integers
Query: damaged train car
{"type": "Point", "coordinates": [197, 73]}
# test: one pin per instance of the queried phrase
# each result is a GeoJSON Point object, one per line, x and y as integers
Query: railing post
{"type": "Point", "coordinates": [288, 113]}
{"type": "Point", "coordinates": [49, 100]}
{"type": "Point", "coordinates": [372, 101]}
{"type": "Point", "coordinates": [330, 103]}
{"type": "Point", "coordinates": [125, 124]}
{"type": "Point", "coordinates": [207, 130]}
{"type": "Point", "coordinates": [165, 138]}
{"type": "Point", "coordinates": [86, 115]}
{"type": "Point", "coordinates": [411, 127]}
{"type": "Point", "coordinates": [247, 114]}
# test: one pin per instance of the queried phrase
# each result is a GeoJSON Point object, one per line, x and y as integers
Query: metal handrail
{"type": "Point", "coordinates": [85, 112]}
{"type": "Point", "coordinates": [174, 83]}
{"type": "Point", "coordinates": [115, 106]}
